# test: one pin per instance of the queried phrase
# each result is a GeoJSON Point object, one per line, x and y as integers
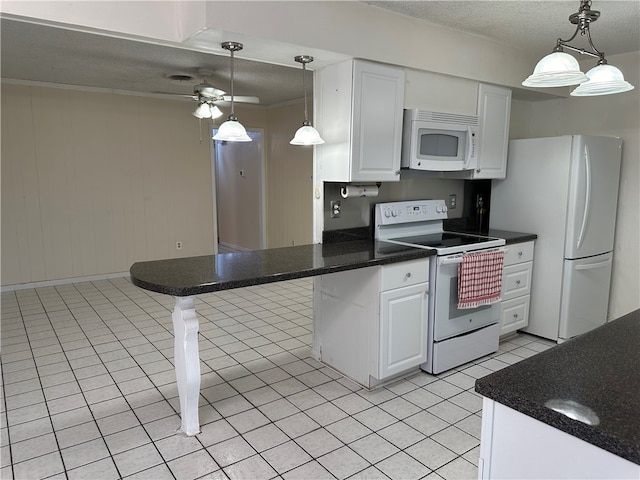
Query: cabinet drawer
{"type": "Point", "coordinates": [518, 252]}
{"type": "Point", "coordinates": [516, 280]}
{"type": "Point", "coordinates": [404, 274]}
{"type": "Point", "coordinates": [514, 314]}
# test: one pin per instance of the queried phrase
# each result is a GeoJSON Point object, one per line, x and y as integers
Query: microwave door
{"type": "Point", "coordinates": [441, 150]}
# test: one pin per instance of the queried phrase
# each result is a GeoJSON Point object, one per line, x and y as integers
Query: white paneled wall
{"type": "Point", "coordinates": [92, 182]}
{"type": "Point", "coordinates": [289, 180]}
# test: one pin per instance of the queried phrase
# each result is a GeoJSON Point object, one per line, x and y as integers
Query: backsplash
{"type": "Point", "coordinates": [467, 216]}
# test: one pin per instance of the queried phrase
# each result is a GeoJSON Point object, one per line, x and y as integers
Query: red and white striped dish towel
{"type": "Point", "coordinates": [480, 278]}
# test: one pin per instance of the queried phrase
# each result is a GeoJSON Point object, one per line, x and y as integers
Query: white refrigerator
{"type": "Point", "coordinates": [565, 190]}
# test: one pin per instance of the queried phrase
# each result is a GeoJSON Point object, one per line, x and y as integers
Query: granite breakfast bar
{"type": "Point", "coordinates": [183, 278]}
{"type": "Point", "coordinates": [572, 411]}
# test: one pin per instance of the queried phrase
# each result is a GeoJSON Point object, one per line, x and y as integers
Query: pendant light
{"type": "Point", "coordinates": [559, 69]}
{"type": "Point", "coordinates": [232, 130]}
{"type": "Point", "coordinates": [306, 134]}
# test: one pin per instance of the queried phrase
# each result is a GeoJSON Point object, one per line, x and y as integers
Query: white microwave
{"type": "Point", "coordinates": [442, 142]}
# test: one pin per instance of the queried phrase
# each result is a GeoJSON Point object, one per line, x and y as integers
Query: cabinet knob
{"type": "Point", "coordinates": [477, 170]}
{"type": "Point", "coordinates": [520, 253]}
{"type": "Point", "coordinates": [515, 315]}
{"type": "Point", "coordinates": [397, 172]}
{"type": "Point", "coordinates": [408, 275]}
{"type": "Point", "coordinates": [517, 282]}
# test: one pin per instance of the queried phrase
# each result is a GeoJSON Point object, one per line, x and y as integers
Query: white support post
{"type": "Point", "coordinates": [187, 363]}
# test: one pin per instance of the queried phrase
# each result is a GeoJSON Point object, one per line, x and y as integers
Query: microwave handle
{"type": "Point", "coordinates": [471, 150]}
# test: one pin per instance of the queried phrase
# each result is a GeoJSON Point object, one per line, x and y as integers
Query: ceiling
{"type": "Point", "coordinates": [40, 53]}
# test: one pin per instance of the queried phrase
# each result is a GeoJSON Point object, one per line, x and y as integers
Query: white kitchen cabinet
{"type": "Point", "coordinates": [371, 324]}
{"type": "Point", "coordinates": [358, 111]}
{"type": "Point", "coordinates": [516, 287]}
{"type": "Point", "coordinates": [515, 445]}
{"type": "Point", "coordinates": [494, 110]}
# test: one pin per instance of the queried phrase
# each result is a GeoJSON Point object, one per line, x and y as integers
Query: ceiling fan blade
{"type": "Point", "coordinates": [241, 99]}
{"type": "Point", "coordinates": [209, 91]}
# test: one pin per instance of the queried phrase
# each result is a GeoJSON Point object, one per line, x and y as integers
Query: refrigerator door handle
{"type": "Point", "coordinates": [591, 266]}
{"type": "Point", "coordinates": [587, 200]}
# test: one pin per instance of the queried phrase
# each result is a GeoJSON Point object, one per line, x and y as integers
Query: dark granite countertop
{"type": "Point", "coordinates": [599, 370]}
{"type": "Point", "coordinates": [512, 237]}
{"type": "Point", "coordinates": [183, 277]}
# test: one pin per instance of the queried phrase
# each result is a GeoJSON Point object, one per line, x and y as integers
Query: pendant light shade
{"type": "Point", "coordinates": [306, 134]}
{"type": "Point", "coordinates": [559, 69]}
{"type": "Point", "coordinates": [603, 80]}
{"type": "Point", "coordinates": [232, 130]}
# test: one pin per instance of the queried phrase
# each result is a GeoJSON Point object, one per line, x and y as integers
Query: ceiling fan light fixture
{"type": "Point", "coordinates": [306, 134]}
{"type": "Point", "coordinates": [232, 130]}
{"type": "Point", "coordinates": [559, 69]}
{"type": "Point", "coordinates": [202, 111]}
{"type": "Point", "coordinates": [215, 111]}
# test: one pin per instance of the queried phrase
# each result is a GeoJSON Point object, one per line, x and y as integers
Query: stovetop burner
{"type": "Point", "coordinates": [443, 240]}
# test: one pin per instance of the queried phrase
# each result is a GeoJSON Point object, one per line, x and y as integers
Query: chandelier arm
{"type": "Point", "coordinates": [581, 50]}
{"type": "Point", "coordinates": [562, 42]}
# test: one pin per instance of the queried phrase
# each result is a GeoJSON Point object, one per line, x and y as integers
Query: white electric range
{"type": "Point", "coordinates": [454, 336]}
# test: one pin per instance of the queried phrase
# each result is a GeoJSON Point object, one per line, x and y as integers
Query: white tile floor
{"type": "Point", "coordinates": [88, 392]}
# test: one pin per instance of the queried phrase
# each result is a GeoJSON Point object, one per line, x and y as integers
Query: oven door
{"type": "Point", "coordinates": [449, 321]}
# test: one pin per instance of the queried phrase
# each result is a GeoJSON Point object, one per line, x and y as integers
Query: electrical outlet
{"type": "Point", "coordinates": [453, 201]}
{"type": "Point", "coordinates": [335, 209]}
{"type": "Point", "coordinates": [178, 245]}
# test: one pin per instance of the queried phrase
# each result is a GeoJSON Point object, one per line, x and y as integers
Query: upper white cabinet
{"type": "Point", "coordinates": [494, 108]}
{"type": "Point", "coordinates": [359, 115]}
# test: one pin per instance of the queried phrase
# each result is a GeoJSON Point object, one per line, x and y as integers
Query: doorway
{"type": "Point", "coordinates": [239, 173]}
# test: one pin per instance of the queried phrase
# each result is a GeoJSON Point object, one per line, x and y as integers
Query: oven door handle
{"type": "Point", "coordinates": [450, 260]}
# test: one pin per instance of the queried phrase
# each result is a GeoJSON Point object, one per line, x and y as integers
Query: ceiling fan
{"type": "Point", "coordinates": [209, 97]}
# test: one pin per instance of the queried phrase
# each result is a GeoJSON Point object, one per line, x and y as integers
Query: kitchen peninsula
{"type": "Point", "coordinates": [572, 411]}
{"type": "Point", "coordinates": [185, 277]}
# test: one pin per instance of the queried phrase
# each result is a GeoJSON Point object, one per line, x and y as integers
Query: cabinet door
{"type": "Point", "coordinates": [494, 109]}
{"type": "Point", "coordinates": [378, 98]}
{"type": "Point", "coordinates": [403, 329]}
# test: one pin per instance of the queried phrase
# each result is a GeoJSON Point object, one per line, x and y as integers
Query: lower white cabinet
{"type": "Point", "coordinates": [371, 324]}
{"type": "Point", "coordinates": [515, 445]}
{"type": "Point", "coordinates": [516, 287]}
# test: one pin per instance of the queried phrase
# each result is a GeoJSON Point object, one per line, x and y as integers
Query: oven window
{"type": "Point", "coordinates": [454, 311]}
{"type": "Point", "coordinates": [439, 145]}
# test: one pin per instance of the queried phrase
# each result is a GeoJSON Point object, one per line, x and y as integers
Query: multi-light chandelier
{"type": "Point", "coordinates": [559, 69]}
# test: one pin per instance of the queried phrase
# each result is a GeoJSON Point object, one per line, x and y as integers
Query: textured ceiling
{"type": "Point", "coordinates": [532, 25]}
{"type": "Point", "coordinates": [41, 53]}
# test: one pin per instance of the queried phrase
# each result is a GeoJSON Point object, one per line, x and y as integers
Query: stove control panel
{"type": "Point", "coordinates": [408, 212]}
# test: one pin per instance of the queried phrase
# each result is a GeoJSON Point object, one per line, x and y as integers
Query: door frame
{"type": "Point", "coordinates": [262, 194]}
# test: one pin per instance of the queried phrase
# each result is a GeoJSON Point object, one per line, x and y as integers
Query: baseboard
{"type": "Point", "coordinates": [61, 281]}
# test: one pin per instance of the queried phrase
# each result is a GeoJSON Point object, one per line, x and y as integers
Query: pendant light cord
{"type": "Point", "coordinates": [304, 87]}
{"type": "Point", "coordinates": [232, 110]}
